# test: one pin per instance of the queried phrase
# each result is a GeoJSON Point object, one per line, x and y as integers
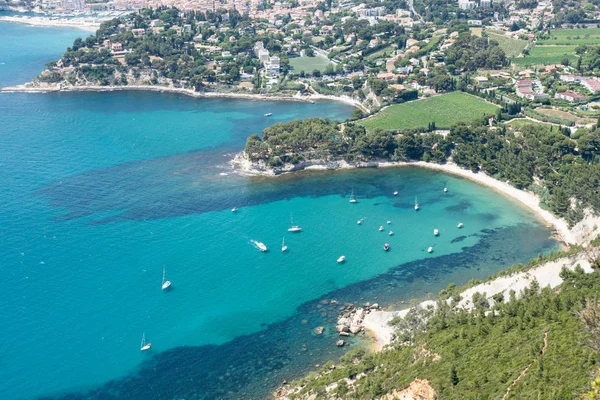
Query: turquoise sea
{"type": "Point", "coordinates": [99, 192]}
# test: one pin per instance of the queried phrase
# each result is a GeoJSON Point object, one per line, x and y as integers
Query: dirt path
{"type": "Point", "coordinates": [522, 374]}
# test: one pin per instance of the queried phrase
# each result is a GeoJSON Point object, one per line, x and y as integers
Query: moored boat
{"type": "Point", "coordinates": [341, 259]}
{"type": "Point", "coordinates": [293, 228]}
{"type": "Point", "coordinates": [436, 232]}
{"type": "Point", "coordinates": [352, 198]}
{"type": "Point", "coordinates": [381, 228]}
{"type": "Point", "coordinates": [165, 283]}
{"type": "Point", "coordinates": [283, 246]}
{"type": "Point", "coordinates": [460, 225]}
{"type": "Point", "coordinates": [416, 204]}
{"type": "Point", "coordinates": [145, 346]}
{"type": "Point", "coordinates": [386, 247]}
{"type": "Point", "coordinates": [430, 250]}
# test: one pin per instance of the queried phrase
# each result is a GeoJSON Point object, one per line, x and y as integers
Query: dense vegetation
{"type": "Point", "coordinates": [321, 139]}
{"type": "Point", "coordinates": [564, 170]}
{"type": "Point", "coordinates": [478, 355]}
{"type": "Point", "coordinates": [568, 167]}
{"type": "Point", "coordinates": [471, 52]}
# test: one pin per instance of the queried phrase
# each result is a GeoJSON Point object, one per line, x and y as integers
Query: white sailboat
{"type": "Point", "coordinates": [460, 225]}
{"type": "Point", "coordinates": [268, 114]}
{"type": "Point", "coordinates": [165, 284]}
{"type": "Point", "coordinates": [145, 346]}
{"type": "Point", "coordinates": [234, 209]}
{"type": "Point", "coordinates": [352, 198]}
{"type": "Point", "coordinates": [381, 228]}
{"type": "Point", "coordinates": [293, 228]}
{"type": "Point", "coordinates": [436, 232]}
{"type": "Point", "coordinates": [341, 259]}
{"type": "Point", "coordinates": [416, 204]}
{"type": "Point", "coordinates": [283, 246]}
{"type": "Point", "coordinates": [430, 250]}
{"type": "Point", "coordinates": [445, 190]}
{"type": "Point", "coordinates": [261, 246]}
{"type": "Point", "coordinates": [396, 193]}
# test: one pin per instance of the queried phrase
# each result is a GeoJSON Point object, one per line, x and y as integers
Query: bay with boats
{"type": "Point", "coordinates": [122, 218]}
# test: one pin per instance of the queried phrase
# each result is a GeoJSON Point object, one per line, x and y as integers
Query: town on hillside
{"type": "Point", "coordinates": [537, 59]}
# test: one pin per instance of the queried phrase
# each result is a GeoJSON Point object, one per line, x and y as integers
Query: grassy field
{"type": "Point", "coordinates": [308, 64]}
{"type": "Point", "coordinates": [445, 110]}
{"type": "Point", "coordinates": [519, 123]}
{"type": "Point", "coordinates": [573, 36]}
{"type": "Point", "coordinates": [512, 47]}
{"type": "Point", "coordinates": [380, 53]}
{"type": "Point", "coordinates": [546, 55]}
{"type": "Point", "coordinates": [550, 112]}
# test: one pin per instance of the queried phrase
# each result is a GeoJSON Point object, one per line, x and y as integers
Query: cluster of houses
{"type": "Point", "coordinates": [533, 90]}
{"type": "Point", "coordinates": [272, 64]}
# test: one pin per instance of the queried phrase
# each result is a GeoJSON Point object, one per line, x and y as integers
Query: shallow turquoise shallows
{"type": "Point", "coordinates": [100, 192]}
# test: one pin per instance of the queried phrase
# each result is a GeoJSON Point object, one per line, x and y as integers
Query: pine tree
{"type": "Point", "coordinates": [454, 376]}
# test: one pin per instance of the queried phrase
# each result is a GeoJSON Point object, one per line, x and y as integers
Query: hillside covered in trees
{"type": "Point", "coordinates": [479, 354]}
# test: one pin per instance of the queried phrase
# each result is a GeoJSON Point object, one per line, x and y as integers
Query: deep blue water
{"type": "Point", "coordinates": [99, 192]}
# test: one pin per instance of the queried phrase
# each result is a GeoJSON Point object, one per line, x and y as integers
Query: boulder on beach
{"type": "Point", "coordinates": [319, 330]}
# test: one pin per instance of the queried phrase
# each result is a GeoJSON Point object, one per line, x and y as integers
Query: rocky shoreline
{"type": "Point", "coordinates": [36, 87]}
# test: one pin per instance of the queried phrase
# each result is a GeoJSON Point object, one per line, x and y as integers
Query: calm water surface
{"type": "Point", "coordinates": [99, 192]}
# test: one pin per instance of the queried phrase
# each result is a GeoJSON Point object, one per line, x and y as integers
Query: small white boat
{"type": "Point", "coordinates": [391, 233]}
{"type": "Point", "coordinates": [389, 222]}
{"type": "Point", "coordinates": [381, 228]}
{"type": "Point", "coordinates": [234, 209]}
{"type": "Point", "coordinates": [359, 221]}
{"type": "Point", "coordinates": [430, 250]}
{"type": "Point", "coordinates": [341, 259]}
{"type": "Point", "coordinates": [268, 114]}
{"type": "Point", "coordinates": [460, 225]}
{"type": "Point", "coordinates": [416, 204]}
{"type": "Point", "coordinates": [293, 228]}
{"type": "Point", "coordinates": [165, 284]}
{"type": "Point", "coordinates": [436, 232]}
{"type": "Point", "coordinates": [283, 246]}
{"type": "Point", "coordinates": [396, 193]}
{"type": "Point", "coordinates": [386, 247]}
{"type": "Point", "coordinates": [445, 190]}
{"type": "Point", "coordinates": [259, 245]}
{"type": "Point", "coordinates": [145, 346]}
{"type": "Point", "coordinates": [352, 198]}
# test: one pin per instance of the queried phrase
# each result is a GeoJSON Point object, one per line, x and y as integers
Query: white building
{"type": "Point", "coordinates": [273, 66]}
{"type": "Point", "coordinates": [466, 4]}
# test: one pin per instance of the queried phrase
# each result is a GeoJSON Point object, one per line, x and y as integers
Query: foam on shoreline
{"type": "Point", "coordinates": [47, 88]}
